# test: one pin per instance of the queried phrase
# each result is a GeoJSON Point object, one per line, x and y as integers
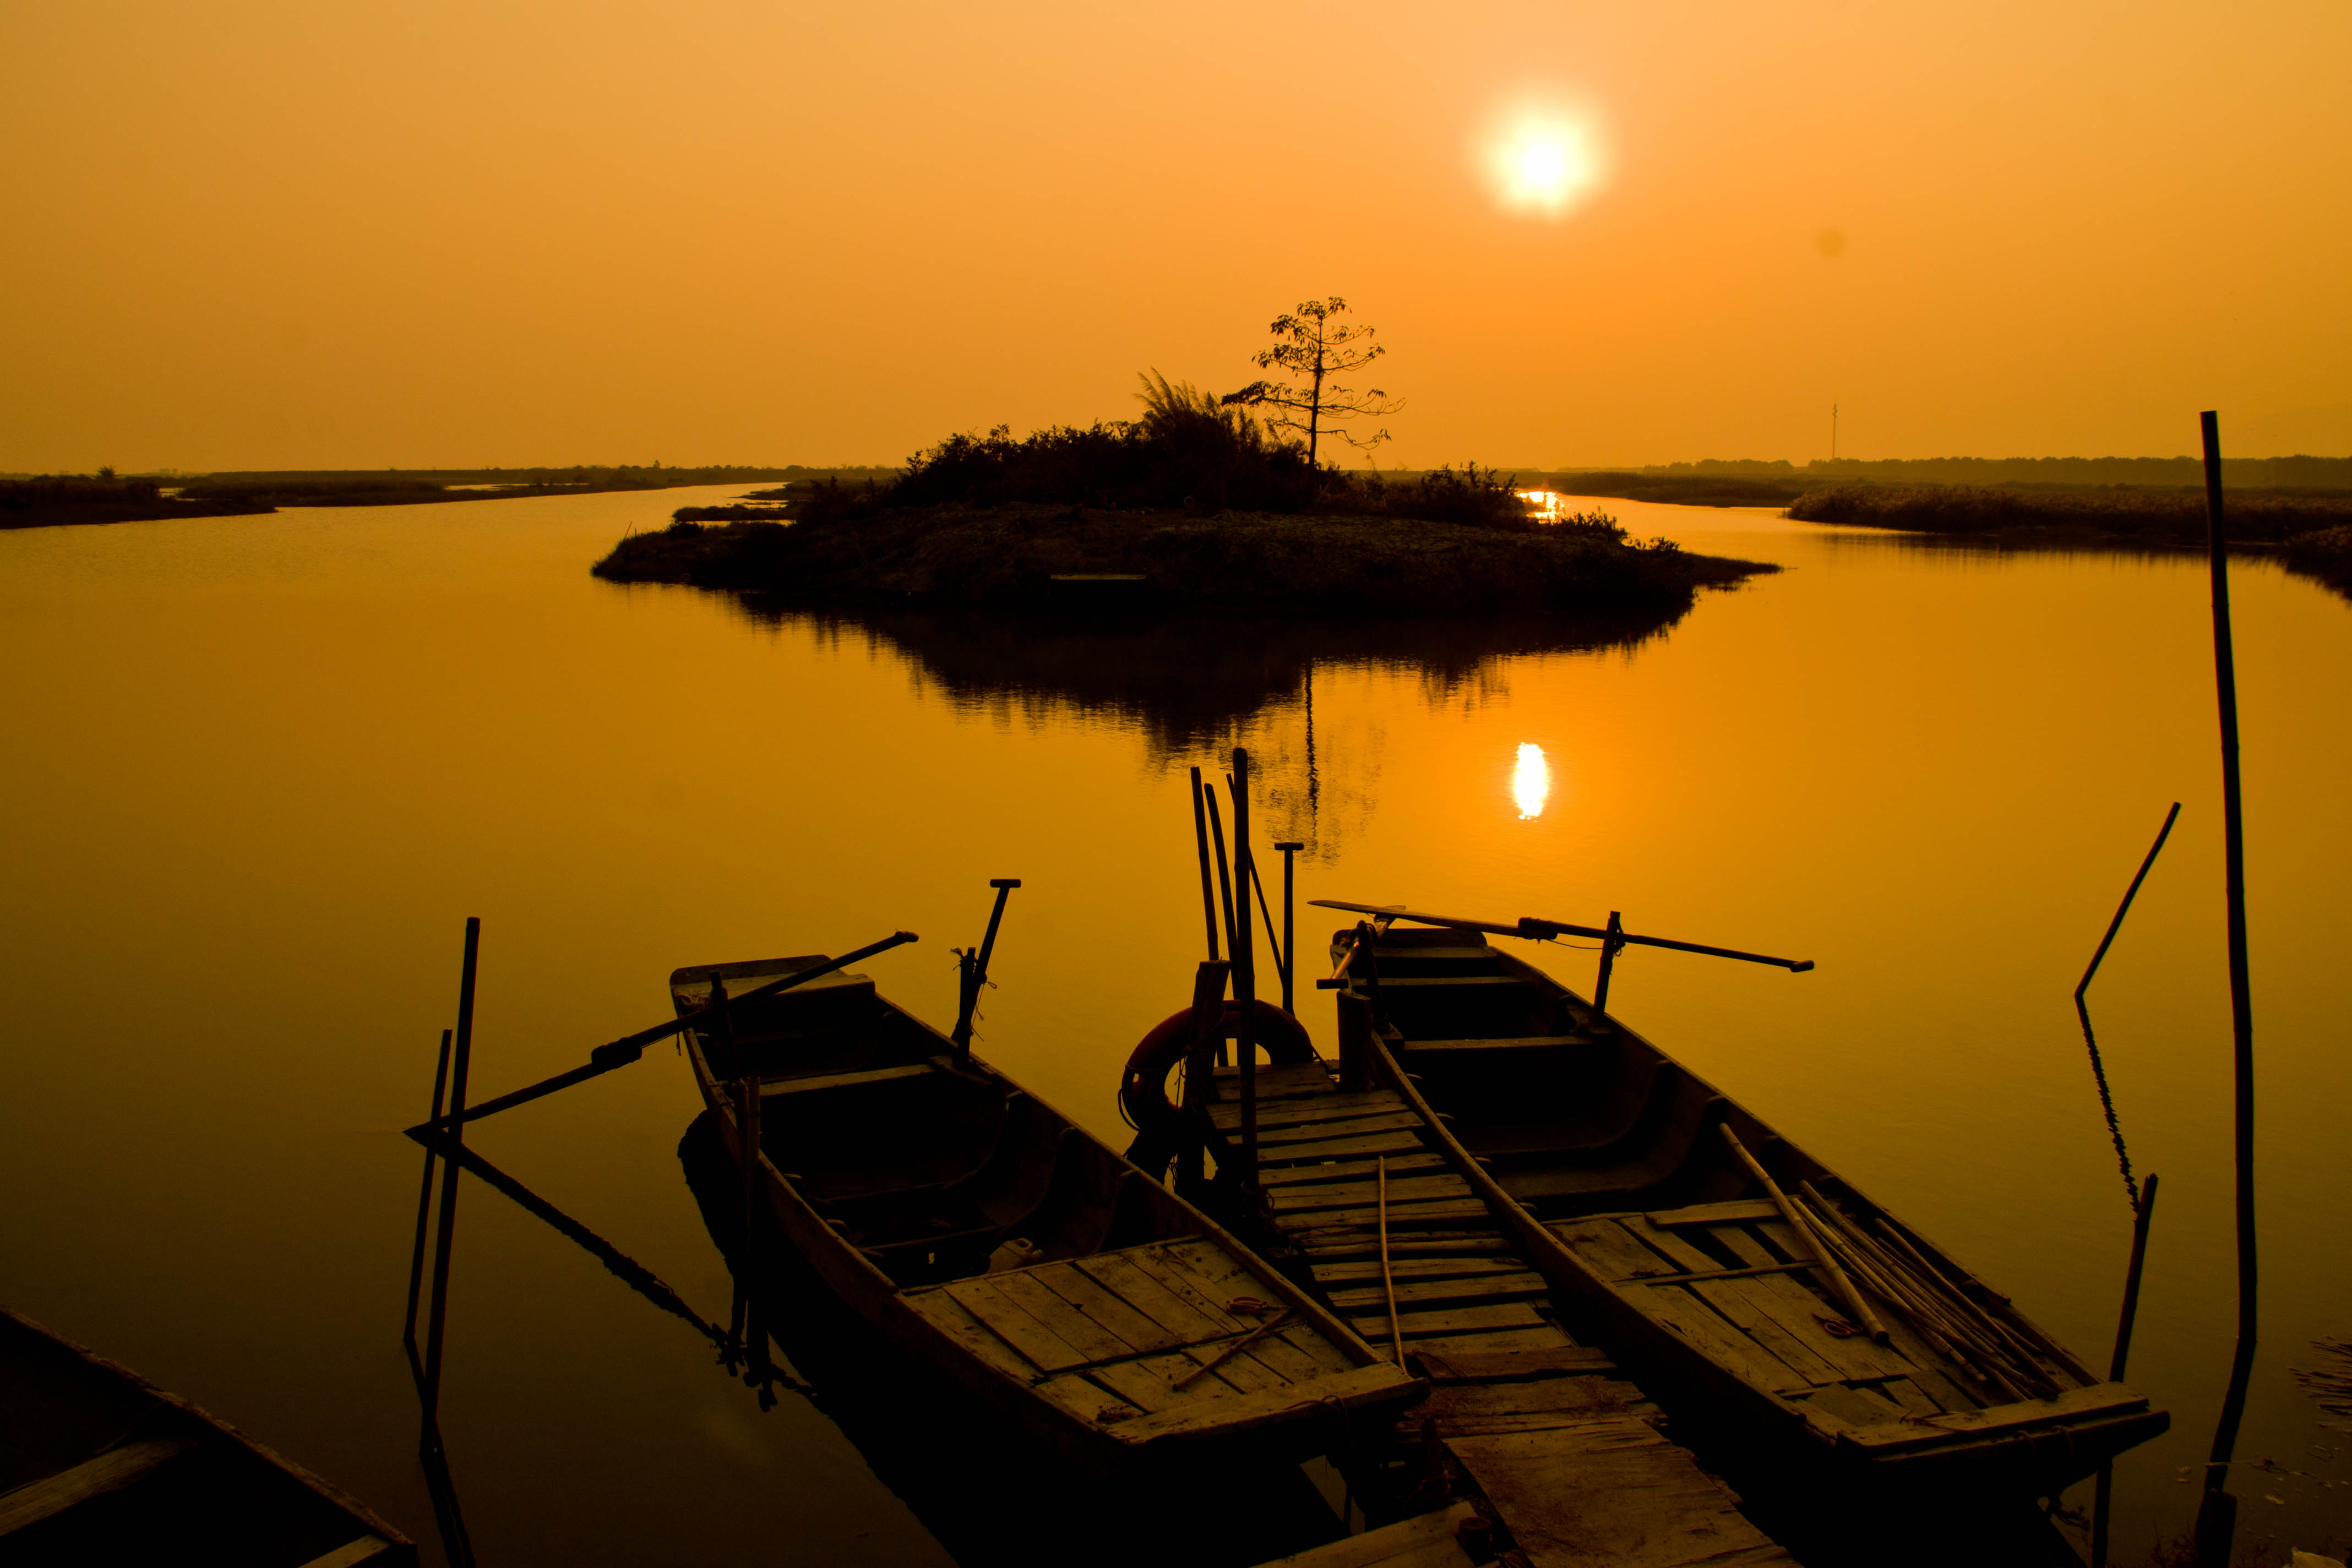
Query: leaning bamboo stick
{"type": "Point", "coordinates": [1879, 1262]}
{"type": "Point", "coordinates": [1235, 1348]}
{"type": "Point", "coordinates": [1388, 1282]}
{"type": "Point", "coordinates": [1843, 1286]}
{"type": "Point", "coordinates": [1951, 1339]}
{"type": "Point", "coordinates": [2028, 1347]}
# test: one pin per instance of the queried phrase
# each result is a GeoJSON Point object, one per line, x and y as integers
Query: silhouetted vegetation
{"type": "Point", "coordinates": [2325, 553]}
{"type": "Point", "coordinates": [2071, 473]}
{"type": "Point", "coordinates": [735, 513]}
{"type": "Point", "coordinates": [2140, 516]}
{"type": "Point", "coordinates": [395, 487]}
{"type": "Point", "coordinates": [52, 499]}
{"type": "Point", "coordinates": [1023, 555]}
{"type": "Point", "coordinates": [1311, 342]}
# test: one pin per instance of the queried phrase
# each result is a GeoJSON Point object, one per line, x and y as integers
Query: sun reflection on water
{"type": "Point", "coordinates": [1530, 781]}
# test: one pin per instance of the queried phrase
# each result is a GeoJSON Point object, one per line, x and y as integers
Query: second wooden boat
{"type": "Point", "coordinates": [986, 1232]}
{"type": "Point", "coordinates": [99, 1466]}
{"type": "Point", "coordinates": [1742, 1266]}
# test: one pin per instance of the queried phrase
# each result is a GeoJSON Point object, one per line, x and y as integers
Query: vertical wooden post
{"type": "Point", "coordinates": [1355, 1042]}
{"type": "Point", "coordinates": [1225, 891]}
{"type": "Point", "coordinates": [2217, 1513]}
{"type": "Point", "coordinates": [2101, 1495]}
{"type": "Point", "coordinates": [423, 1218]}
{"type": "Point", "coordinates": [1610, 944]}
{"type": "Point", "coordinates": [973, 969]}
{"type": "Point", "coordinates": [461, 1056]}
{"type": "Point", "coordinates": [1201, 837]}
{"type": "Point", "coordinates": [1200, 1067]}
{"type": "Point", "coordinates": [1245, 975]}
{"type": "Point", "coordinates": [1290, 848]}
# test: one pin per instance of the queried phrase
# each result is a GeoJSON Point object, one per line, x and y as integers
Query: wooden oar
{"type": "Point", "coordinates": [1804, 1229]}
{"type": "Point", "coordinates": [1388, 1280]}
{"type": "Point", "coordinates": [1536, 930]}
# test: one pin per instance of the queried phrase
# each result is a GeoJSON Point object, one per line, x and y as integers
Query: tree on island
{"type": "Point", "coordinates": [1314, 344]}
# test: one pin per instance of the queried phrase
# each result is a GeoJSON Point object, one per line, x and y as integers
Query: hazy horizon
{"type": "Point", "coordinates": [269, 236]}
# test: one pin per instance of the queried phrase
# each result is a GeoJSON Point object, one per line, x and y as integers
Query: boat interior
{"type": "Point", "coordinates": [930, 1167]}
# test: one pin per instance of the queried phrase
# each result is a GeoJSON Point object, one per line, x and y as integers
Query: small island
{"type": "Point", "coordinates": [1192, 507]}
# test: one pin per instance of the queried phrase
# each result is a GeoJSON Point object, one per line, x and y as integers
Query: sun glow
{"type": "Point", "coordinates": [1531, 782]}
{"type": "Point", "coordinates": [1545, 161]}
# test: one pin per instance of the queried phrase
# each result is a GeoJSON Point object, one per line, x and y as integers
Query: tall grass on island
{"type": "Point", "coordinates": [1197, 505]}
{"type": "Point", "coordinates": [2312, 529]}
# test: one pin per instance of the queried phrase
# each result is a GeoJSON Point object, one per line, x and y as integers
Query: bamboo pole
{"type": "Point", "coordinates": [424, 1217]}
{"type": "Point", "coordinates": [461, 1056]}
{"type": "Point", "coordinates": [1843, 1286]}
{"type": "Point", "coordinates": [2217, 1513]}
{"type": "Point", "coordinates": [1290, 848]}
{"type": "Point", "coordinates": [2101, 1498]}
{"type": "Point", "coordinates": [1388, 1280]}
{"type": "Point", "coordinates": [1201, 837]}
{"type": "Point", "coordinates": [1225, 881]}
{"type": "Point", "coordinates": [1245, 975]}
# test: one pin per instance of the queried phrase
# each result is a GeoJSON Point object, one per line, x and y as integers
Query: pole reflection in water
{"type": "Point", "coordinates": [1531, 782]}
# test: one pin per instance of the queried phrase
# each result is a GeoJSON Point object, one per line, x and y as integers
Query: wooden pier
{"type": "Point", "coordinates": [1563, 1464]}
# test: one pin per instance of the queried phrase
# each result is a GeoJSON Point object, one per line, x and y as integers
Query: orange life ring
{"type": "Point", "coordinates": [1143, 1087]}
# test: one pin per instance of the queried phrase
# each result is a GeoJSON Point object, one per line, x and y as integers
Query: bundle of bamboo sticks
{"type": "Point", "coordinates": [2009, 1357]}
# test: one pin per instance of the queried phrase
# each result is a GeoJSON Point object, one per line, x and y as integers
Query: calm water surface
{"type": "Point", "coordinates": [260, 769]}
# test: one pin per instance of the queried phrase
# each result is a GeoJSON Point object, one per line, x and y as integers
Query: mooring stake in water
{"type": "Point", "coordinates": [2217, 1512]}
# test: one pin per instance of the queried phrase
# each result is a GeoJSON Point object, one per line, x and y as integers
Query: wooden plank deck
{"type": "Point", "coordinates": [1107, 1338]}
{"type": "Point", "coordinates": [1567, 1458]}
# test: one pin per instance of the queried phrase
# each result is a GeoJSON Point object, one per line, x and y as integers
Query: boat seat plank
{"type": "Point", "coordinates": [110, 1471]}
{"type": "Point", "coordinates": [1403, 1142]}
{"type": "Point", "coordinates": [1374, 1327]}
{"type": "Point", "coordinates": [1278, 1079]}
{"type": "Point", "coordinates": [1355, 1194]}
{"type": "Point", "coordinates": [1345, 1170]}
{"type": "Point", "coordinates": [1150, 1385]}
{"type": "Point", "coordinates": [1740, 1211]}
{"type": "Point", "coordinates": [775, 1086]}
{"type": "Point", "coordinates": [1498, 1043]}
{"type": "Point", "coordinates": [1017, 1327]}
{"type": "Point", "coordinates": [1136, 1329]}
{"type": "Point", "coordinates": [1420, 981]}
{"type": "Point", "coordinates": [1491, 1286]}
{"type": "Point", "coordinates": [1341, 1392]}
{"type": "Point", "coordinates": [350, 1553]}
{"type": "Point", "coordinates": [1301, 1351]}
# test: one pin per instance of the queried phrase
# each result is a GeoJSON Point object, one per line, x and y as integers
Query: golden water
{"type": "Point", "coordinates": [260, 769]}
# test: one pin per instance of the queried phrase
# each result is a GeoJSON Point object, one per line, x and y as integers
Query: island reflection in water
{"type": "Point", "coordinates": [1196, 687]}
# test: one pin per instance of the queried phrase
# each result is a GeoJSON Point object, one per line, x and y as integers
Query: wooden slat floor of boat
{"type": "Point", "coordinates": [1428, 1541]}
{"type": "Point", "coordinates": [1106, 1337]}
{"type": "Point", "coordinates": [1540, 1423]}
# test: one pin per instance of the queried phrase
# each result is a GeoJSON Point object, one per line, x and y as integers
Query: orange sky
{"type": "Point", "coordinates": [356, 234]}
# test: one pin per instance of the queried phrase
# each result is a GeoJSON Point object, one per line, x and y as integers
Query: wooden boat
{"type": "Point", "coordinates": [986, 1232]}
{"type": "Point", "coordinates": [1744, 1269]}
{"type": "Point", "coordinates": [98, 1465]}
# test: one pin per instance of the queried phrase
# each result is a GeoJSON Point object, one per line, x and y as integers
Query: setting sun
{"type": "Point", "coordinates": [1545, 163]}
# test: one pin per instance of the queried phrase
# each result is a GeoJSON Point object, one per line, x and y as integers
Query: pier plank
{"type": "Point", "coordinates": [1478, 1287]}
{"type": "Point", "coordinates": [1348, 1170]}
